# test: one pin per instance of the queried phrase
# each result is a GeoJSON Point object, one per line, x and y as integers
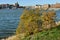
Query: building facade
{"type": "Point", "coordinates": [16, 5]}
{"type": "Point", "coordinates": [57, 5]}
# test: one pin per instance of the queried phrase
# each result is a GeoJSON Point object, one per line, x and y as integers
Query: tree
{"type": "Point", "coordinates": [33, 21]}
{"type": "Point", "coordinates": [29, 21]}
{"type": "Point", "coordinates": [48, 19]}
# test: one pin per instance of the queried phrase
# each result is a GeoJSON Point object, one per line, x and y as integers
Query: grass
{"type": "Point", "coordinates": [52, 34]}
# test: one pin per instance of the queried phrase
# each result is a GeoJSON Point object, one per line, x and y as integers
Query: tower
{"type": "Point", "coordinates": [17, 5]}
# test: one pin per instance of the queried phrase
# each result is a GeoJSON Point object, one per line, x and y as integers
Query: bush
{"type": "Point", "coordinates": [33, 21]}
{"type": "Point", "coordinates": [53, 34]}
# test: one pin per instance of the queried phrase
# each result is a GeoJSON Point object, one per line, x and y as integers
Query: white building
{"type": "Point", "coordinates": [45, 6]}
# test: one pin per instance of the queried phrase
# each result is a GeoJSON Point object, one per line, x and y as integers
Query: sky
{"type": "Point", "coordinates": [29, 2]}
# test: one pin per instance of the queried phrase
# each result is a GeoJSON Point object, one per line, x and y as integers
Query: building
{"type": "Point", "coordinates": [4, 6]}
{"type": "Point", "coordinates": [45, 6]}
{"type": "Point", "coordinates": [38, 6]}
{"type": "Point", "coordinates": [17, 5]}
{"type": "Point", "coordinates": [57, 5]}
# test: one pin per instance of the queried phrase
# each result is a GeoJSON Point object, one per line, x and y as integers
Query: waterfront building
{"type": "Point", "coordinates": [45, 6]}
{"type": "Point", "coordinates": [57, 5]}
{"type": "Point", "coordinates": [38, 6]}
{"type": "Point", "coordinates": [17, 5]}
{"type": "Point", "coordinates": [4, 5]}
{"type": "Point", "coordinates": [9, 6]}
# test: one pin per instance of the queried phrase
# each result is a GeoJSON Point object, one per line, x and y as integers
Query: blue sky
{"type": "Point", "coordinates": [29, 2]}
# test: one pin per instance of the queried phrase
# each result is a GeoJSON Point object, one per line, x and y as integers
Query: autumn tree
{"type": "Point", "coordinates": [29, 22]}
{"type": "Point", "coordinates": [35, 20]}
{"type": "Point", "coordinates": [48, 19]}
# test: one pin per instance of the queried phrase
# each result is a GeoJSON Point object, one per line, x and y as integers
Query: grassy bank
{"type": "Point", "coordinates": [53, 34]}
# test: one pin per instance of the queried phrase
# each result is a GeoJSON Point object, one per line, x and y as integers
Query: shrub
{"type": "Point", "coordinates": [53, 34]}
{"type": "Point", "coordinates": [33, 21]}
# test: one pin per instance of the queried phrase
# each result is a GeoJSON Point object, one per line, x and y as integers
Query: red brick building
{"type": "Point", "coordinates": [57, 5]}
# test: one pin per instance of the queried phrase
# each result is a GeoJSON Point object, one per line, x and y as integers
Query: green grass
{"type": "Point", "coordinates": [52, 34]}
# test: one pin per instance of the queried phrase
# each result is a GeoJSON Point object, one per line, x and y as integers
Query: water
{"type": "Point", "coordinates": [58, 15]}
{"type": "Point", "coordinates": [9, 19]}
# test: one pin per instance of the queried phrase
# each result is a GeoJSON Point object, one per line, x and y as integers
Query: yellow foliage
{"type": "Point", "coordinates": [32, 21]}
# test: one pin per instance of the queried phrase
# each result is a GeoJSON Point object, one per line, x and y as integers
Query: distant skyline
{"type": "Point", "coordinates": [29, 2]}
